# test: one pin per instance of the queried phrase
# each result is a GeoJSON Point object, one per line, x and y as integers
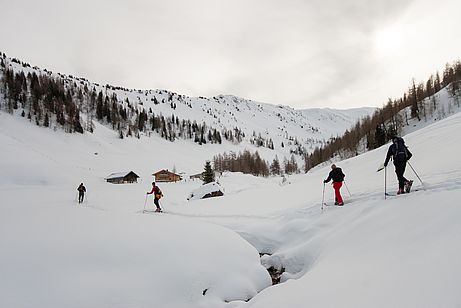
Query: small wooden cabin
{"type": "Point", "coordinates": [198, 176]}
{"type": "Point", "coordinates": [166, 176]}
{"type": "Point", "coordinates": [122, 177]}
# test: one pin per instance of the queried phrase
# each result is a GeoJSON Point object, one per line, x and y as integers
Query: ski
{"type": "Point", "coordinates": [153, 211]}
{"type": "Point", "coordinates": [326, 204]}
{"type": "Point", "coordinates": [406, 193]}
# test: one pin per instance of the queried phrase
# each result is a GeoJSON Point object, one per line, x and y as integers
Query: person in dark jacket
{"type": "Point", "coordinates": [337, 175]}
{"type": "Point", "coordinates": [81, 192]}
{"type": "Point", "coordinates": [157, 195]}
{"type": "Point", "coordinates": [400, 154]}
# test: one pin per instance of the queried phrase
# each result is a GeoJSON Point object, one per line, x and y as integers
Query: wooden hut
{"type": "Point", "coordinates": [166, 176]}
{"type": "Point", "coordinates": [122, 177]}
{"type": "Point", "coordinates": [198, 176]}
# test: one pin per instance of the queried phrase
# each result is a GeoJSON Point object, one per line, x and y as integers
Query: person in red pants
{"type": "Point", "coordinates": [337, 175]}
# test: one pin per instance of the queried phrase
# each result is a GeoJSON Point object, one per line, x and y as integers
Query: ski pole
{"type": "Point", "coordinates": [145, 201]}
{"type": "Point", "coordinates": [323, 195]}
{"type": "Point", "coordinates": [347, 189]}
{"type": "Point", "coordinates": [385, 182]}
{"type": "Point", "coordinates": [416, 174]}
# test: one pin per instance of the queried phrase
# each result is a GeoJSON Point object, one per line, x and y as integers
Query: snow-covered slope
{"type": "Point", "coordinates": [400, 252]}
{"type": "Point", "coordinates": [445, 105]}
{"type": "Point", "coordinates": [288, 129]}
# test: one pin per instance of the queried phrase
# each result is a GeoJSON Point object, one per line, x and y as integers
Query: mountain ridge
{"type": "Point", "coordinates": [134, 112]}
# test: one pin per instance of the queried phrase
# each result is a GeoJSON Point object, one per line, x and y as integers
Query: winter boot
{"type": "Point", "coordinates": [408, 186]}
{"type": "Point", "coordinates": [158, 210]}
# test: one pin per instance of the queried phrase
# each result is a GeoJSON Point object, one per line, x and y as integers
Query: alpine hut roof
{"type": "Point", "coordinates": [122, 177]}
{"type": "Point", "coordinates": [118, 175]}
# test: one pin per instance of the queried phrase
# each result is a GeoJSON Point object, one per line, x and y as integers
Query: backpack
{"type": "Point", "coordinates": [400, 154]}
{"type": "Point", "coordinates": [341, 176]}
{"type": "Point", "coordinates": [158, 193]}
{"type": "Point", "coordinates": [338, 175]}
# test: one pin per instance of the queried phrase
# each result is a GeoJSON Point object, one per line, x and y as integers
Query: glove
{"type": "Point", "coordinates": [325, 181]}
{"type": "Point", "coordinates": [385, 165]}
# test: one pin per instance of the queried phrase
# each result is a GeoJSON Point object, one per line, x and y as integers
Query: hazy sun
{"type": "Point", "coordinates": [388, 40]}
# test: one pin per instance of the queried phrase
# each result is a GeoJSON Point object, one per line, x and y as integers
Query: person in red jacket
{"type": "Point", "coordinates": [337, 175]}
{"type": "Point", "coordinates": [157, 195]}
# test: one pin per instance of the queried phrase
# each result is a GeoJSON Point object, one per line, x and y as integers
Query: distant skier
{"type": "Point", "coordinates": [337, 175]}
{"type": "Point", "coordinates": [157, 195]}
{"type": "Point", "coordinates": [400, 155]}
{"type": "Point", "coordinates": [81, 192]}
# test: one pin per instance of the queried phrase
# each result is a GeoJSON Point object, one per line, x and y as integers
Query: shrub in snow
{"type": "Point", "coordinates": [209, 190]}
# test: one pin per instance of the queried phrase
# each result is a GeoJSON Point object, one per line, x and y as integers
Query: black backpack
{"type": "Point", "coordinates": [341, 175]}
{"type": "Point", "coordinates": [400, 150]}
{"type": "Point", "coordinates": [338, 175]}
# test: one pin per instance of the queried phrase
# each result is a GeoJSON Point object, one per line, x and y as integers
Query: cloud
{"type": "Point", "coordinates": [296, 52]}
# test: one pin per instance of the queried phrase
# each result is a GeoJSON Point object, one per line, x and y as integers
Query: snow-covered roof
{"type": "Point", "coordinates": [164, 171]}
{"type": "Point", "coordinates": [117, 175]}
{"type": "Point", "coordinates": [204, 190]}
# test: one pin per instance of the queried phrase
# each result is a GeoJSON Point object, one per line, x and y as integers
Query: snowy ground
{"type": "Point", "coordinates": [400, 252]}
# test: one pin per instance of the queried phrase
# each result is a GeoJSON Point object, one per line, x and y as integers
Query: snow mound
{"type": "Point", "coordinates": [212, 189]}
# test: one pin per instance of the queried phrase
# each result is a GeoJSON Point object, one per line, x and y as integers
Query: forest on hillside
{"type": "Point", "coordinates": [374, 131]}
{"type": "Point", "coordinates": [73, 105]}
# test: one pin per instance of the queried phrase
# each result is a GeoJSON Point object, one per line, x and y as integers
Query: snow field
{"type": "Point", "coordinates": [400, 252]}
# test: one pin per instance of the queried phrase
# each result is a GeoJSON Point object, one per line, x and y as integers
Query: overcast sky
{"type": "Point", "coordinates": [302, 53]}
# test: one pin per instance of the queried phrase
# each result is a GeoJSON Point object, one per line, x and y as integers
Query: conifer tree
{"type": "Point", "coordinates": [99, 107]}
{"type": "Point", "coordinates": [208, 173]}
{"type": "Point", "coordinates": [275, 166]}
{"type": "Point", "coordinates": [46, 122]}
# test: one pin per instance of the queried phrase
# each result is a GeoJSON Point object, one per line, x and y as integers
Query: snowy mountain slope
{"type": "Point", "coordinates": [294, 129]}
{"type": "Point", "coordinates": [400, 252]}
{"type": "Point", "coordinates": [356, 256]}
{"type": "Point", "coordinates": [370, 248]}
{"type": "Point", "coordinates": [446, 105]}
{"type": "Point", "coordinates": [331, 120]}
